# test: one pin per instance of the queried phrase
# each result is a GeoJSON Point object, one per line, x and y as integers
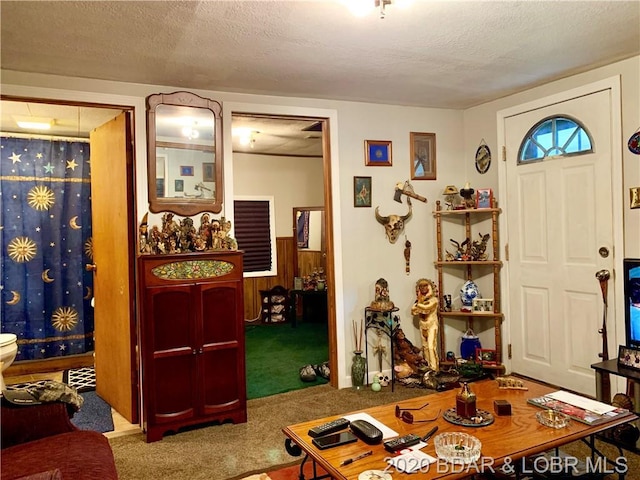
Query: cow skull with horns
{"type": "Point", "coordinates": [394, 224]}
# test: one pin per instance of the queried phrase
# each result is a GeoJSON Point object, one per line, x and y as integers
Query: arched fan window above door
{"type": "Point", "coordinates": [552, 137]}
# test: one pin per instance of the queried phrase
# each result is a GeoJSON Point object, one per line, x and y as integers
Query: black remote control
{"type": "Point", "coordinates": [400, 443]}
{"type": "Point", "coordinates": [329, 427]}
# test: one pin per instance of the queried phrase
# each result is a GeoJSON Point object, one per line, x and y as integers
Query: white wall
{"type": "Point", "coordinates": [362, 252]}
{"type": "Point", "coordinates": [293, 182]}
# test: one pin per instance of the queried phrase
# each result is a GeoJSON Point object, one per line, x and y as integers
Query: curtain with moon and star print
{"type": "Point", "coordinates": [45, 225]}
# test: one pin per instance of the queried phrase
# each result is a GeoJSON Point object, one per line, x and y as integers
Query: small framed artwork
{"type": "Point", "coordinates": [160, 187]}
{"type": "Point", "coordinates": [208, 174]}
{"type": "Point", "coordinates": [186, 171]}
{"type": "Point", "coordinates": [635, 197]}
{"type": "Point", "coordinates": [178, 185]}
{"type": "Point", "coordinates": [486, 356]}
{"type": "Point", "coordinates": [423, 155]}
{"type": "Point", "coordinates": [377, 153]}
{"type": "Point", "coordinates": [482, 305]}
{"type": "Point", "coordinates": [361, 191]}
{"type": "Point", "coordinates": [628, 357]}
{"type": "Point", "coordinates": [484, 198]}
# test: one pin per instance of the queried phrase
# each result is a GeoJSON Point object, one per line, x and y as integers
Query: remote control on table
{"type": "Point", "coordinates": [400, 443]}
{"type": "Point", "coordinates": [329, 427]}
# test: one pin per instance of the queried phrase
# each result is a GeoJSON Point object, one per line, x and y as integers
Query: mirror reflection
{"type": "Point", "coordinates": [309, 241]}
{"type": "Point", "coordinates": [185, 154]}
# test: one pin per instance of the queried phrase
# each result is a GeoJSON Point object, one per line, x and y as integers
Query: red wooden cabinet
{"type": "Point", "coordinates": [192, 340]}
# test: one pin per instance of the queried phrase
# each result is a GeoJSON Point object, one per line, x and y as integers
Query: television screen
{"type": "Point", "coordinates": [632, 300]}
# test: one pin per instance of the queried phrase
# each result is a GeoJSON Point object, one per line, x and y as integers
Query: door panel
{"type": "Point", "coordinates": [559, 215]}
{"type": "Point", "coordinates": [111, 195]}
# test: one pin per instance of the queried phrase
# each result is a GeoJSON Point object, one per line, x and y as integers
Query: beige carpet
{"type": "Point", "coordinates": [234, 451]}
{"type": "Point", "coordinates": [224, 451]}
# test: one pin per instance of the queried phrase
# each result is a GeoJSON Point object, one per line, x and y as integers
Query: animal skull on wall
{"type": "Point", "coordinates": [394, 224]}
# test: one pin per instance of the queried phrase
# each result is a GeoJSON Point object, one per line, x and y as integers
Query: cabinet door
{"type": "Point", "coordinates": [222, 369]}
{"type": "Point", "coordinates": [170, 354]}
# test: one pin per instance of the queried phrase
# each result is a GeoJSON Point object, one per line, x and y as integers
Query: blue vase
{"type": "Point", "coordinates": [470, 342]}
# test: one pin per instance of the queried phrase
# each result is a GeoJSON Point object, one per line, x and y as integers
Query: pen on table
{"type": "Point", "coordinates": [351, 460]}
{"type": "Point", "coordinates": [430, 434]}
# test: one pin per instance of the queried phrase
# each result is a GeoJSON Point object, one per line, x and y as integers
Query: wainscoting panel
{"type": "Point", "coordinates": [252, 286]}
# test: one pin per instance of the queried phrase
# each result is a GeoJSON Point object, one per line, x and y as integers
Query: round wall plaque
{"type": "Point", "coordinates": [483, 158]}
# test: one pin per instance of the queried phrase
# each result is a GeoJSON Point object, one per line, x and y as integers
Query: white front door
{"type": "Point", "coordinates": [559, 214]}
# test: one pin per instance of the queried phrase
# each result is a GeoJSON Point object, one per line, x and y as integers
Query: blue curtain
{"type": "Point", "coordinates": [45, 190]}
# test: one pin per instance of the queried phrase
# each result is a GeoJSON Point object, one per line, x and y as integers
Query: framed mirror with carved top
{"type": "Point", "coordinates": [184, 158]}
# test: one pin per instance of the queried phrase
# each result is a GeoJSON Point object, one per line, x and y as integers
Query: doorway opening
{"type": "Point", "coordinates": [287, 157]}
{"type": "Point", "coordinates": [68, 122]}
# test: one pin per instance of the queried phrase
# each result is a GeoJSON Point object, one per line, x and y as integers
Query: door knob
{"type": "Point", "coordinates": [604, 252]}
{"type": "Point", "coordinates": [91, 267]}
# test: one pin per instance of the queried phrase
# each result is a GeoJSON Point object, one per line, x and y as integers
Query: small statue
{"type": "Point", "coordinates": [479, 248]}
{"type": "Point", "coordinates": [143, 236]}
{"type": "Point", "coordinates": [407, 256]}
{"type": "Point", "coordinates": [382, 301]}
{"type": "Point", "coordinates": [426, 307]}
{"type": "Point", "coordinates": [467, 194]}
{"type": "Point", "coordinates": [187, 235]}
{"type": "Point", "coordinates": [405, 353]}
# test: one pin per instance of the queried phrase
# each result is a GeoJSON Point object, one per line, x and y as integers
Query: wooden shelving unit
{"type": "Point", "coordinates": [470, 267]}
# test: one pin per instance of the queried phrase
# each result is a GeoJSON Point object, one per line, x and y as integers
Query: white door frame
{"type": "Point", "coordinates": [614, 314]}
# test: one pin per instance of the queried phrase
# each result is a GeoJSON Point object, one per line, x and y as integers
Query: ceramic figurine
{"type": "Point", "coordinates": [382, 301]}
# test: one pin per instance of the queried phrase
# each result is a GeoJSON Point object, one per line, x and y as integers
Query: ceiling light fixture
{"type": "Point", "coordinates": [34, 123]}
{"type": "Point", "coordinates": [246, 136]}
{"type": "Point", "coordinates": [190, 132]}
{"type": "Point", "coordinates": [361, 8]}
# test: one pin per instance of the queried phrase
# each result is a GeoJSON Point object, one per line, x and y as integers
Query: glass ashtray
{"type": "Point", "coordinates": [457, 447]}
{"type": "Point", "coordinates": [553, 419]}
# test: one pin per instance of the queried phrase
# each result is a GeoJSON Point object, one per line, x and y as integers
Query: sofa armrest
{"type": "Point", "coordinates": [22, 423]}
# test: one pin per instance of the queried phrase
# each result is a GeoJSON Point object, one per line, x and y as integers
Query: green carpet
{"type": "Point", "coordinates": [275, 353]}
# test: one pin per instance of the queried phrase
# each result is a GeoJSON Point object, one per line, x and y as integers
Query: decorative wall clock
{"type": "Point", "coordinates": [483, 158]}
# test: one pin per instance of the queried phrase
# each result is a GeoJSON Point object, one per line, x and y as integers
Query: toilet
{"type": "Point", "coordinates": [8, 350]}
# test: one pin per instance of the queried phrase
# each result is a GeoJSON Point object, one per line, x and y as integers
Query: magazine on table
{"type": "Point", "coordinates": [579, 408]}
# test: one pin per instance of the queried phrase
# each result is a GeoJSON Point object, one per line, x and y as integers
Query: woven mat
{"type": "Point", "coordinates": [82, 379]}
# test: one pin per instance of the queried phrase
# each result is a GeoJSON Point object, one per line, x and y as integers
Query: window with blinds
{"type": "Point", "coordinates": [255, 233]}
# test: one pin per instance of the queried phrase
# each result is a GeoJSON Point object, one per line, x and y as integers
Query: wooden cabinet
{"type": "Point", "coordinates": [465, 222]}
{"type": "Point", "coordinates": [192, 340]}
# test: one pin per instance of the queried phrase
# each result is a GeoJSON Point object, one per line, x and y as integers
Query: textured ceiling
{"type": "Point", "coordinates": [449, 54]}
{"type": "Point", "coordinates": [446, 54]}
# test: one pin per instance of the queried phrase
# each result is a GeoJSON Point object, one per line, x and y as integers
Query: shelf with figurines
{"type": "Point", "coordinates": [474, 256]}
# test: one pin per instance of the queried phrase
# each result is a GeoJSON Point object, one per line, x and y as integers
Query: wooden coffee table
{"type": "Point", "coordinates": [505, 442]}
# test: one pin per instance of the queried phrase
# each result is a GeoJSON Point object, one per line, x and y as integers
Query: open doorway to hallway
{"type": "Point", "coordinates": [283, 157]}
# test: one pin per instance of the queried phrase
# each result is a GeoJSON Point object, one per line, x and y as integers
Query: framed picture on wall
{"type": "Point", "coordinates": [186, 171]}
{"type": "Point", "coordinates": [179, 186]}
{"type": "Point", "coordinates": [208, 174]}
{"type": "Point", "coordinates": [423, 155]}
{"type": "Point", "coordinates": [361, 191]}
{"type": "Point", "coordinates": [377, 153]}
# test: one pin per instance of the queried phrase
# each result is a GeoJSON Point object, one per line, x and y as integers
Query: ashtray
{"type": "Point", "coordinates": [553, 419]}
{"type": "Point", "coordinates": [457, 447]}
